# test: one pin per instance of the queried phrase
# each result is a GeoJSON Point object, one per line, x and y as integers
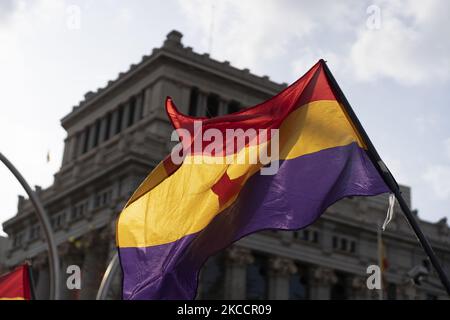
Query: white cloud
{"type": "Point", "coordinates": [409, 47]}
{"type": "Point", "coordinates": [424, 122]}
{"type": "Point", "coordinates": [253, 33]}
{"type": "Point", "coordinates": [447, 147]}
{"type": "Point", "coordinates": [438, 176]}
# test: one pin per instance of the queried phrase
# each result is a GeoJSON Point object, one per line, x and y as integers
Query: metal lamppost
{"type": "Point", "coordinates": [107, 277]}
{"type": "Point", "coordinates": [45, 223]}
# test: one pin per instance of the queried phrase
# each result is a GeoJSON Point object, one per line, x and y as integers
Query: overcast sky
{"type": "Point", "coordinates": [391, 60]}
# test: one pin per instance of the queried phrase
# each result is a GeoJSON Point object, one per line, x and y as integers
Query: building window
{"type": "Point", "coordinates": [132, 111]}
{"type": "Point", "coordinates": [344, 244]}
{"type": "Point", "coordinates": [119, 120]}
{"type": "Point", "coordinates": [18, 240]}
{"type": "Point", "coordinates": [193, 102]}
{"type": "Point", "coordinates": [78, 211]}
{"type": "Point", "coordinates": [212, 278]}
{"type": "Point", "coordinates": [96, 132]}
{"type": "Point", "coordinates": [87, 132]}
{"type": "Point", "coordinates": [58, 221]}
{"type": "Point", "coordinates": [108, 127]}
{"type": "Point", "coordinates": [102, 198]}
{"type": "Point", "coordinates": [305, 235]}
{"type": "Point", "coordinates": [234, 106]}
{"type": "Point", "coordinates": [212, 105]}
{"type": "Point", "coordinates": [256, 285]}
{"type": "Point", "coordinates": [352, 247]}
{"type": "Point", "coordinates": [298, 285]}
{"type": "Point", "coordinates": [335, 242]}
{"type": "Point", "coordinates": [141, 105]}
{"type": "Point", "coordinates": [35, 232]}
{"type": "Point", "coordinates": [308, 235]}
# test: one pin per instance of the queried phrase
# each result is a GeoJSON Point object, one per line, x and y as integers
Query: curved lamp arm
{"type": "Point", "coordinates": [44, 221]}
{"type": "Point", "coordinates": [107, 277]}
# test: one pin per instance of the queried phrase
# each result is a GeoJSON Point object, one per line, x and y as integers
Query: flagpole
{"type": "Point", "coordinates": [389, 180]}
{"type": "Point", "coordinates": [44, 221]}
{"type": "Point", "coordinates": [380, 261]}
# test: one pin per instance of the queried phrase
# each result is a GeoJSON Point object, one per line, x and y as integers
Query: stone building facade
{"type": "Point", "coordinates": [119, 132]}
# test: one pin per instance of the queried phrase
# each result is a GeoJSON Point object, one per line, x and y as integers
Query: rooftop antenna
{"type": "Point", "coordinates": [211, 28]}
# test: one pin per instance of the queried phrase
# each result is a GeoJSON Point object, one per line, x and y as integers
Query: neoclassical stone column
{"type": "Point", "coordinates": [322, 280]}
{"type": "Point", "coordinates": [223, 107]}
{"type": "Point", "coordinates": [95, 249]}
{"type": "Point", "coordinates": [41, 276]}
{"type": "Point", "coordinates": [237, 259]}
{"type": "Point", "coordinates": [280, 270]}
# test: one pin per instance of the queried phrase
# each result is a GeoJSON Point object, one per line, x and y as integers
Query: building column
{"type": "Point", "coordinates": [322, 280]}
{"type": "Point", "coordinates": [185, 97]}
{"type": "Point", "coordinates": [237, 259]}
{"type": "Point", "coordinates": [80, 143]}
{"type": "Point", "coordinates": [223, 107]}
{"type": "Point", "coordinates": [279, 276]}
{"type": "Point", "coordinates": [94, 264]}
{"type": "Point", "coordinates": [147, 101]}
{"type": "Point", "coordinates": [73, 147]}
{"type": "Point", "coordinates": [41, 276]}
{"type": "Point", "coordinates": [66, 153]}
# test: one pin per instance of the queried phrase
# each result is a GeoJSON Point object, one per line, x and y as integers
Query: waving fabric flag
{"type": "Point", "coordinates": [16, 284]}
{"type": "Point", "coordinates": [183, 213]}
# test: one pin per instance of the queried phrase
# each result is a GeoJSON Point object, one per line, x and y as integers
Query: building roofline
{"type": "Point", "coordinates": [174, 49]}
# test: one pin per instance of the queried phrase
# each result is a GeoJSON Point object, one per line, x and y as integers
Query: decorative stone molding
{"type": "Point", "coordinates": [239, 256]}
{"type": "Point", "coordinates": [324, 276]}
{"type": "Point", "coordinates": [282, 266]}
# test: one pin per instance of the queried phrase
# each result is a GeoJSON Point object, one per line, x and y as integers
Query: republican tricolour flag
{"type": "Point", "coordinates": [183, 213]}
{"type": "Point", "coordinates": [16, 285]}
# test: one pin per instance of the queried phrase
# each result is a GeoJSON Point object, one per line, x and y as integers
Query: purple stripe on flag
{"type": "Point", "coordinates": [293, 198]}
